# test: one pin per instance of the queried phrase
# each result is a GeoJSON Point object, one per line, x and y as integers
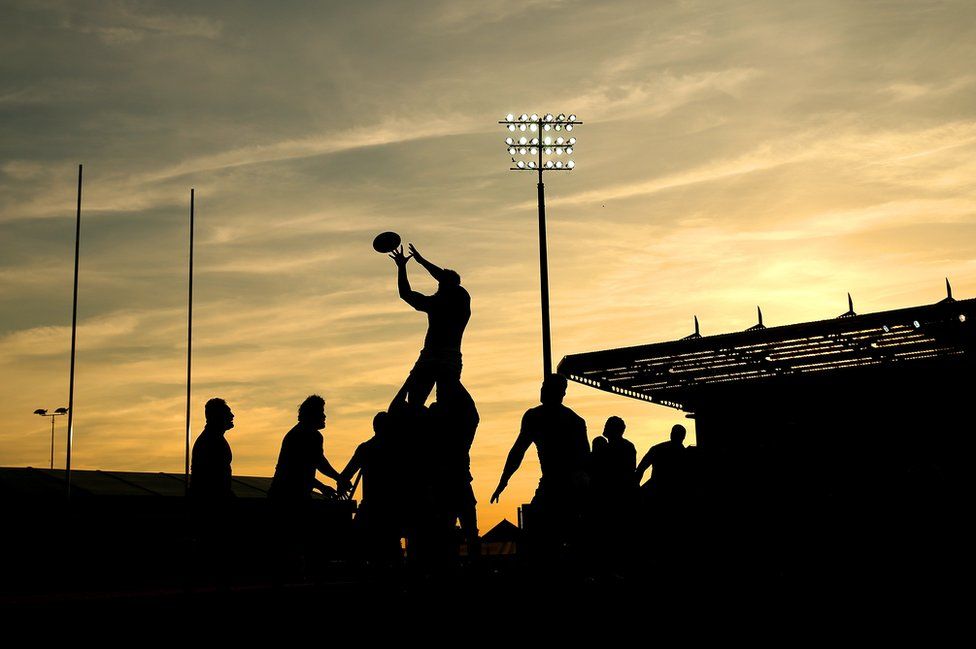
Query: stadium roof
{"type": "Point", "coordinates": [675, 373]}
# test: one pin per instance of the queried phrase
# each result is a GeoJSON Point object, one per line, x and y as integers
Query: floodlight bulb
{"type": "Point", "coordinates": [569, 127]}
{"type": "Point", "coordinates": [561, 118]}
{"type": "Point", "coordinates": [531, 165]}
{"type": "Point", "coordinates": [572, 118]}
{"type": "Point", "coordinates": [523, 151]}
{"type": "Point", "coordinates": [520, 164]}
{"type": "Point", "coordinates": [569, 150]}
{"type": "Point", "coordinates": [535, 140]}
{"type": "Point", "coordinates": [511, 127]}
{"type": "Point", "coordinates": [522, 140]}
{"type": "Point", "coordinates": [534, 118]}
{"type": "Point", "coordinates": [524, 117]}
{"type": "Point", "coordinates": [572, 140]}
{"type": "Point", "coordinates": [548, 164]}
{"type": "Point", "coordinates": [548, 140]}
{"type": "Point", "coordinates": [548, 151]}
{"type": "Point", "coordinates": [962, 317]}
{"type": "Point", "coordinates": [559, 127]}
{"type": "Point", "coordinates": [509, 140]}
{"type": "Point", "coordinates": [570, 164]}
{"type": "Point", "coordinates": [512, 150]}
{"type": "Point", "coordinates": [559, 140]}
{"type": "Point", "coordinates": [548, 117]}
{"type": "Point", "coordinates": [547, 127]}
{"type": "Point", "coordinates": [559, 164]}
{"type": "Point", "coordinates": [916, 324]}
{"type": "Point", "coordinates": [533, 127]}
{"type": "Point", "coordinates": [559, 150]}
{"type": "Point", "coordinates": [534, 151]}
{"type": "Point", "coordinates": [509, 117]}
{"type": "Point", "coordinates": [521, 127]}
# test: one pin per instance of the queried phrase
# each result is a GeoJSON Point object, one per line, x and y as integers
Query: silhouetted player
{"type": "Point", "coordinates": [377, 517]}
{"type": "Point", "coordinates": [455, 418]}
{"type": "Point", "coordinates": [210, 462]}
{"type": "Point", "coordinates": [302, 454]}
{"type": "Point", "coordinates": [667, 460]}
{"type": "Point", "coordinates": [559, 435]}
{"type": "Point", "coordinates": [448, 311]}
{"type": "Point", "coordinates": [211, 494]}
{"type": "Point", "coordinates": [614, 462]}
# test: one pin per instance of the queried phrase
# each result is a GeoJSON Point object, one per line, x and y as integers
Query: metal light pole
{"type": "Point", "coordinates": [539, 143]}
{"type": "Point", "coordinates": [57, 413]}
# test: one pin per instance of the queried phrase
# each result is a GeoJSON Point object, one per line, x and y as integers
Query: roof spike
{"type": "Point", "coordinates": [948, 298]}
{"type": "Point", "coordinates": [760, 325]}
{"type": "Point", "coordinates": [850, 308]}
{"type": "Point", "coordinates": [697, 333]}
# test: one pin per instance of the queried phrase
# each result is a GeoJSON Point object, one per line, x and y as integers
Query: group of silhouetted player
{"type": "Point", "coordinates": [415, 469]}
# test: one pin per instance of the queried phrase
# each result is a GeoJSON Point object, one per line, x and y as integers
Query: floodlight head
{"type": "Point", "coordinates": [548, 117]}
{"type": "Point", "coordinates": [509, 117]}
{"type": "Point", "coordinates": [572, 140]}
{"type": "Point", "coordinates": [561, 118]}
{"type": "Point", "coordinates": [61, 411]}
{"type": "Point", "coordinates": [509, 140]}
{"type": "Point", "coordinates": [512, 150]}
{"type": "Point", "coordinates": [570, 164]}
{"type": "Point", "coordinates": [520, 164]}
{"type": "Point", "coordinates": [511, 127]}
{"type": "Point", "coordinates": [523, 118]}
{"type": "Point", "coordinates": [569, 127]}
{"type": "Point", "coordinates": [534, 118]}
{"type": "Point", "coordinates": [569, 150]}
{"type": "Point", "coordinates": [572, 118]}
{"type": "Point", "coordinates": [40, 411]}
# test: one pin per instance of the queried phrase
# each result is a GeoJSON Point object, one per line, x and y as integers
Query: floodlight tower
{"type": "Point", "coordinates": [536, 143]}
{"type": "Point", "coordinates": [57, 413]}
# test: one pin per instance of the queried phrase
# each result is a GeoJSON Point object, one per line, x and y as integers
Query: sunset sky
{"type": "Point", "coordinates": [733, 154]}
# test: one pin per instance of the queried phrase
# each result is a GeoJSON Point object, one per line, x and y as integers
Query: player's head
{"type": "Point", "coordinates": [381, 423]}
{"type": "Point", "coordinates": [553, 389]}
{"type": "Point", "coordinates": [614, 428]}
{"type": "Point", "coordinates": [312, 411]}
{"type": "Point", "coordinates": [448, 279]}
{"type": "Point", "coordinates": [678, 433]}
{"type": "Point", "coordinates": [218, 414]}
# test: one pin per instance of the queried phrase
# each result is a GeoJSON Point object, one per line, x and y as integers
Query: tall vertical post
{"type": "Point", "coordinates": [52, 442]}
{"type": "Point", "coordinates": [74, 332]}
{"type": "Point", "coordinates": [544, 282]}
{"type": "Point", "coordinates": [189, 353]}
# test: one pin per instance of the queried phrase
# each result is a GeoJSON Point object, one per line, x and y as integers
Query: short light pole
{"type": "Point", "coordinates": [57, 413]}
{"type": "Point", "coordinates": [536, 143]}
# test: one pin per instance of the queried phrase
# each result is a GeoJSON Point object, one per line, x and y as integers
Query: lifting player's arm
{"type": "Point", "coordinates": [411, 297]}
{"type": "Point", "coordinates": [434, 270]}
{"type": "Point", "coordinates": [515, 456]}
{"type": "Point", "coordinates": [342, 485]}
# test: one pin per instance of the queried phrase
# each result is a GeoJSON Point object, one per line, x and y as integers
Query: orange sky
{"type": "Point", "coordinates": [733, 154]}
